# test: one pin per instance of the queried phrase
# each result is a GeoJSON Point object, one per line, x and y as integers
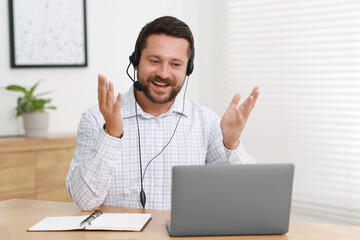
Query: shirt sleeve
{"type": "Point", "coordinates": [91, 168]}
{"type": "Point", "coordinates": [217, 153]}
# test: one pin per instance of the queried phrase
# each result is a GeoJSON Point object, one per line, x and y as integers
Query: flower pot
{"type": "Point", "coordinates": [36, 124]}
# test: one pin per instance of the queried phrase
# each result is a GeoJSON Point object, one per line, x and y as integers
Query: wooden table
{"type": "Point", "coordinates": [17, 215]}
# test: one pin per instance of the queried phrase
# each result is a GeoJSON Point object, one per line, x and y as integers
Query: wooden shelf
{"type": "Point", "coordinates": [35, 168]}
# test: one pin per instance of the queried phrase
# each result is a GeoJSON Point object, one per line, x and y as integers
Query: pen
{"type": "Point", "coordinates": [90, 218]}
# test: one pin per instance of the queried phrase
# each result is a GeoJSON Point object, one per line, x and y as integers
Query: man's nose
{"type": "Point", "coordinates": [163, 71]}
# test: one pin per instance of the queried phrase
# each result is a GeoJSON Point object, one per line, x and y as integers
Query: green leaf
{"type": "Point", "coordinates": [22, 102]}
{"type": "Point", "coordinates": [44, 93]}
{"type": "Point", "coordinates": [17, 88]}
{"type": "Point", "coordinates": [28, 107]}
{"type": "Point", "coordinates": [33, 88]}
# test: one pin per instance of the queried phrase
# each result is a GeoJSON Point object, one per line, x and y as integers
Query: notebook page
{"type": "Point", "coordinates": [58, 224]}
{"type": "Point", "coordinates": [120, 221]}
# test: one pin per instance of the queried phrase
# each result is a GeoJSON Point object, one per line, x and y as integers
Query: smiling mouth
{"type": "Point", "coordinates": [160, 84]}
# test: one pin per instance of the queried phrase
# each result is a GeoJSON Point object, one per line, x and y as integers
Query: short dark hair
{"type": "Point", "coordinates": [167, 25]}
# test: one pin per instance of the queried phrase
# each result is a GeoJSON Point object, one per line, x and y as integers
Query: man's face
{"type": "Point", "coordinates": [162, 67]}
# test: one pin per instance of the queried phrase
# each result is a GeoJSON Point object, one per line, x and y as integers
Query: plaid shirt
{"type": "Point", "coordinates": [106, 170]}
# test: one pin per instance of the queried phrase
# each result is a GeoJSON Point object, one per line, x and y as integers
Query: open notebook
{"type": "Point", "coordinates": [96, 221]}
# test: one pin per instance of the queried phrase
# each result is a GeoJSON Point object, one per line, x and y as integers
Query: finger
{"type": "Point", "coordinates": [110, 95]}
{"type": "Point", "coordinates": [256, 90]}
{"type": "Point", "coordinates": [235, 101]}
{"type": "Point", "coordinates": [249, 103]}
{"type": "Point", "coordinates": [255, 94]}
{"type": "Point", "coordinates": [118, 102]}
{"type": "Point", "coordinates": [102, 89]}
{"type": "Point", "coordinates": [247, 106]}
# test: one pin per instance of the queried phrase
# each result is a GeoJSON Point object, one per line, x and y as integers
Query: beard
{"type": "Point", "coordinates": [153, 97]}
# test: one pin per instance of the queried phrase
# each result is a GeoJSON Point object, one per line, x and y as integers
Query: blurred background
{"type": "Point", "coordinates": [303, 54]}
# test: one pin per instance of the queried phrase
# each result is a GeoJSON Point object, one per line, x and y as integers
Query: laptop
{"type": "Point", "coordinates": [220, 200]}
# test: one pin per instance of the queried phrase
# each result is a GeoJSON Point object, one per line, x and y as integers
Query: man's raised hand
{"type": "Point", "coordinates": [234, 119]}
{"type": "Point", "coordinates": [109, 108]}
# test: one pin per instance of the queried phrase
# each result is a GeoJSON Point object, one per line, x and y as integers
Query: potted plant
{"type": "Point", "coordinates": [32, 108]}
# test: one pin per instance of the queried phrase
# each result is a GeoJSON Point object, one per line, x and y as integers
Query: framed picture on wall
{"type": "Point", "coordinates": [48, 33]}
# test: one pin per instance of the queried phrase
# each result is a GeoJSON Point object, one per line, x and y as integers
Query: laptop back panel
{"type": "Point", "coordinates": [231, 199]}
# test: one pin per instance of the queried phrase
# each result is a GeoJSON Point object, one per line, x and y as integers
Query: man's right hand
{"type": "Point", "coordinates": [108, 108]}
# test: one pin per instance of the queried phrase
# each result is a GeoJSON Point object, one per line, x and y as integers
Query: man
{"type": "Point", "coordinates": [127, 146]}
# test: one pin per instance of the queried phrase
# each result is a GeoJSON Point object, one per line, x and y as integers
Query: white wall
{"type": "Point", "coordinates": [112, 28]}
{"type": "Point", "coordinates": [205, 53]}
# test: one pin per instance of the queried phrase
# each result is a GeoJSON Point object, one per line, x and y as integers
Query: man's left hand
{"type": "Point", "coordinates": [234, 119]}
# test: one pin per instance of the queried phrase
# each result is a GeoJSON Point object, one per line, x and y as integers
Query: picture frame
{"type": "Point", "coordinates": [48, 33]}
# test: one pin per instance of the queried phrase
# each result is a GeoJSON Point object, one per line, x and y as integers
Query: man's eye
{"type": "Point", "coordinates": [154, 61]}
{"type": "Point", "coordinates": [176, 64]}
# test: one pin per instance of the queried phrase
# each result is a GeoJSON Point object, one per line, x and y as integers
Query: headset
{"type": "Point", "coordinates": [134, 59]}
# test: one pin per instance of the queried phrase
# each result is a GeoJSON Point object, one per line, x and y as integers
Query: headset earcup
{"type": "Point", "coordinates": [133, 59]}
{"type": "Point", "coordinates": [190, 67]}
